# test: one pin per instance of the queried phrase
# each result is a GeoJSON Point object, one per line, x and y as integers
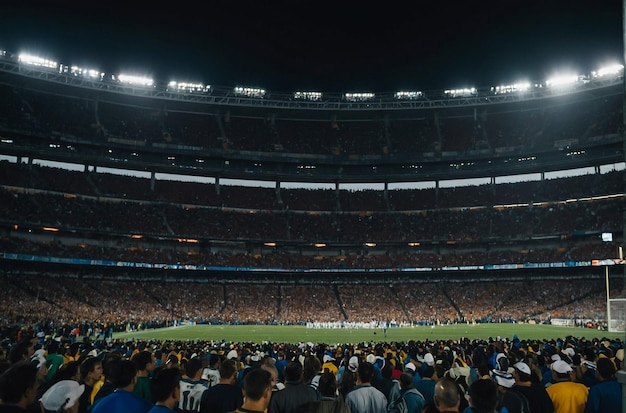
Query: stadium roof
{"type": "Point", "coordinates": [323, 45]}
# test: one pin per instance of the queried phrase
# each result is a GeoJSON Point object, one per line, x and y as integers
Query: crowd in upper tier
{"type": "Point", "coordinates": [86, 201]}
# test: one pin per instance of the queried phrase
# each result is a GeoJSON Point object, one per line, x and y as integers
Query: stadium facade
{"type": "Point", "coordinates": [523, 220]}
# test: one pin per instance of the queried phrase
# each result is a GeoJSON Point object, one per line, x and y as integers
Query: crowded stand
{"type": "Point", "coordinates": [150, 187]}
{"type": "Point", "coordinates": [124, 215]}
{"type": "Point", "coordinates": [87, 252]}
{"type": "Point", "coordinates": [457, 372]}
{"type": "Point", "coordinates": [140, 303]}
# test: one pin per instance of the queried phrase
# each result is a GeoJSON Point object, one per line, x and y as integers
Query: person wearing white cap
{"type": "Point", "coordinates": [567, 395]}
{"type": "Point", "coordinates": [410, 368]}
{"type": "Point", "coordinates": [415, 371]}
{"type": "Point", "coordinates": [536, 394]}
{"type": "Point", "coordinates": [62, 397]}
{"type": "Point", "coordinates": [347, 379]}
{"type": "Point", "coordinates": [514, 401]}
{"type": "Point", "coordinates": [353, 364]}
{"type": "Point", "coordinates": [429, 360]}
{"type": "Point", "coordinates": [232, 354]}
{"type": "Point", "coordinates": [329, 364]}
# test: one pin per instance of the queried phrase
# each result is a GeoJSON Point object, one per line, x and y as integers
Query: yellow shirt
{"type": "Point", "coordinates": [331, 367]}
{"type": "Point", "coordinates": [568, 396]}
{"type": "Point", "coordinates": [97, 385]}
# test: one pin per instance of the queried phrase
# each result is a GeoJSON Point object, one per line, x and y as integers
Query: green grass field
{"type": "Point", "coordinates": [295, 334]}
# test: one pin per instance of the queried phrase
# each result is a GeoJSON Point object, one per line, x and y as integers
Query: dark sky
{"type": "Point", "coordinates": [333, 46]}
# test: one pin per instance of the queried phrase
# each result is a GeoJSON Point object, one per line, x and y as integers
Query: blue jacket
{"type": "Point", "coordinates": [121, 401]}
{"type": "Point", "coordinates": [604, 397]}
{"type": "Point", "coordinates": [414, 400]}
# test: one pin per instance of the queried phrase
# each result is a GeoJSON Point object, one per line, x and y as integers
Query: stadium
{"type": "Point", "coordinates": [132, 203]}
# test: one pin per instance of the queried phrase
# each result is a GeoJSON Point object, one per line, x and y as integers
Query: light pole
{"type": "Point", "coordinates": [621, 374]}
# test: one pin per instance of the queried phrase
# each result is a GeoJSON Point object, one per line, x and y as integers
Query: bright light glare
{"type": "Point", "coordinates": [81, 72]}
{"type": "Point", "coordinates": [562, 80]}
{"type": "Point", "coordinates": [92, 73]}
{"type": "Point", "coordinates": [250, 91]}
{"type": "Point", "coordinates": [314, 96]}
{"type": "Point", "coordinates": [136, 80]}
{"type": "Point", "coordinates": [37, 61]}
{"type": "Point", "coordinates": [515, 87]}
{"type": "Point", "coordinates": [467, 91]}
{"type": "Point", "coordinates": [609, 70]}
{"type": "Point", "coordinates": [359, 97]}
{"type": "Point", "coordinates": [174, 86]}
{"type": "Point", "coordinates": [408, 94]}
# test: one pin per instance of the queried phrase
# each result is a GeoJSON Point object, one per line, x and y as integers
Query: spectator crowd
{"type": "Point", "coordinates": [561, 375]}
{"type": "Point", "coordinates": [59, 303]}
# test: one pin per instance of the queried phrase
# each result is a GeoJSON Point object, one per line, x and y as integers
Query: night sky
{"type": "Point", "coordinates": [332, 46]}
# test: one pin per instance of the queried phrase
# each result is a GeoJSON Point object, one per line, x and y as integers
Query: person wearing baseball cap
{"type": "Point", "coordinates": [511, 399]}
{"type": "Point", "coordinates": [62, 397]}
{"type": "Point", "coordinates": [568, 396]}
{"type": "Point", "coordinates": [538, 398]}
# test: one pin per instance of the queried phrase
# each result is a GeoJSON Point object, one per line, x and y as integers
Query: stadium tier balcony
{"type": "Point", "coordinates": [548, 124]}
{"type": "Point", "coordinates": [126, 204]}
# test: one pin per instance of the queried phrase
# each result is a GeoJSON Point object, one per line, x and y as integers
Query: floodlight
{"type": "Point", "coordinates": [359, 97]}
{"type": "Point", "coordinates": [615, 69]}
{"type": "Point", "coordinates": [37, 61]}
{"type": "Point", "coordinates": [513, 88]}
{"type": "Point", "coordinates": [314, 96]}
{"type": "Point", "coordinates": [563, 80]}
{"type": "Point", "coordinates": [408, 95]}
{"type": "Point", "coordinates": [135, 80]}
{"type": "Point", "coordinates": [463, 92]}
{"type": "Point", "coordinates": [174, 86]}
{"type": "Point", "coordinates": [81, 72]}
{"type": "Point", "coordinates": [252, 92]}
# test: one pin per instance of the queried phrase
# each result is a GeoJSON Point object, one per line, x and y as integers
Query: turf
{"type": "Point", "coordinates": [296, 334]}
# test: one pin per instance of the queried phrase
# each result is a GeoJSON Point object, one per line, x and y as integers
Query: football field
{"type": "Point", "coordinates": [296, 334]}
